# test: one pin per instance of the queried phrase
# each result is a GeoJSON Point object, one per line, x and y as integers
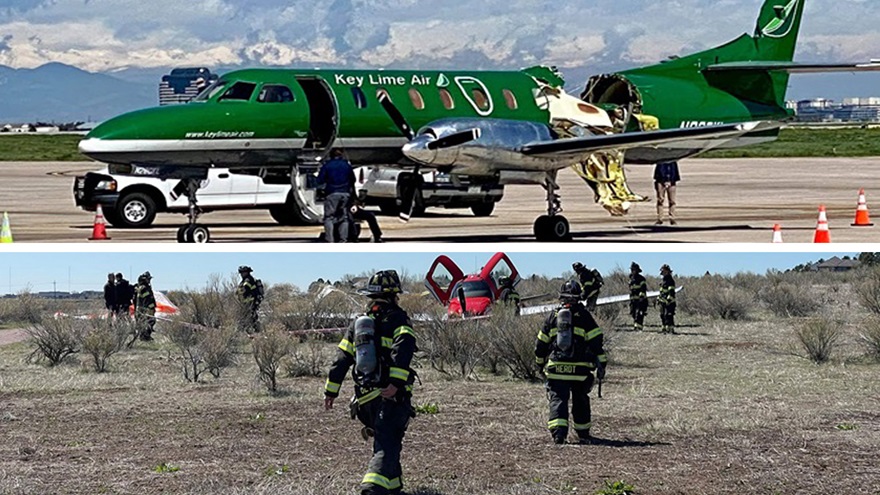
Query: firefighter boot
{"type": "Point", "coordinates": [559, 435]}
{"type": "Point", "coordinates": [584, 438]}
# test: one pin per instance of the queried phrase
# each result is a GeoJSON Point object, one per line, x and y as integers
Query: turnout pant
{"type": "Point", "coordinates": [638, 308]}
{"type": "Point", "coordinates": [667, 317]}
{"type": "Point", "coordinates": [144, 324]}
{"type": "Point", "coordinates": [389, 421]}
{"type": "Point", "coordinates": [336, 216]}
{"type": "Point", "coordinates": [558, 393]}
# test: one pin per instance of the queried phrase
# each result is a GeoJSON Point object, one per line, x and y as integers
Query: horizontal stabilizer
{"type": "Point", "coordinates": [792, 67]}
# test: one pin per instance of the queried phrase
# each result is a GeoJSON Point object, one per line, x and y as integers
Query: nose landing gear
{"type": "Point", "coordinates": [192, 232]}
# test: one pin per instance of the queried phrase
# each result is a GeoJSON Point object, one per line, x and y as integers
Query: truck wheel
{"type": "Point", "coordinates": [483, 209]}
{"type": "Point", "coordinates": [136, 210]}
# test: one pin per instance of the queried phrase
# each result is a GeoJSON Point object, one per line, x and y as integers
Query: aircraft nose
{"type": "Point", "coordinates": [417, 149]}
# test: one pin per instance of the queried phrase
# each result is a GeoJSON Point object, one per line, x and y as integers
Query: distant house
{"type": "Point", "coordinates": [836, 264]}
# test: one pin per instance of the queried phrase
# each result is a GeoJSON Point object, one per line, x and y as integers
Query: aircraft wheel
{"type": "Point", "coordinates": [199, 234]}
{"type": "Point", "coordinates": [181, 233]}
{"type": "Point", "coordinates": [552, 229]}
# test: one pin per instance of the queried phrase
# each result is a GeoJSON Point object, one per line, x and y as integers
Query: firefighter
{"type": "Point", "coordinates": [144, 307]}
{"type": "Point", "coordinates": [590, 281]}
{"type": "Point", "coordinates": [638, 296]}
{"type": "Point", "coordinates": [250, 296]}
{"type": "Point", "coordinates": [569, 349]}
{"type": "Point", "coordinates": [379, 346]}
{"type": "Point", "coordinates": [666, 299]}
{"type": "Point", "coordinates": [509, 295]}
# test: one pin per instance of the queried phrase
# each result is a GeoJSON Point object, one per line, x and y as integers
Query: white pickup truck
{"type": "Point", "coordinates": [130, 201]}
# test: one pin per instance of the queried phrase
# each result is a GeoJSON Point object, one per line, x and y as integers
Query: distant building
{"type": "Point", "coordinates": [182, 85]}
{"type": "Point", "coordinates": [851, 110]}
{"type": "Point", "coordinates": [836, 264]}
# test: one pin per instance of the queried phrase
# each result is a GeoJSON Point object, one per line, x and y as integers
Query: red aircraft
{"type": "Point", "coordinates": [469, 295]}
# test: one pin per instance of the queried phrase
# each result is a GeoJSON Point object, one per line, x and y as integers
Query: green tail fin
{"type": "Point", "coordinates": [777, 29]}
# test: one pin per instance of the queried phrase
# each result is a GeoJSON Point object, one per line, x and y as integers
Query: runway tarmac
{"type": "Point", "coordinates": [729, 200]}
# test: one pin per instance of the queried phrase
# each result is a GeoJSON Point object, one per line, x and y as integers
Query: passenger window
{"type": "Point", "coordinates": [446, 98]}
{"type": "Point", "coordinates": [360, 99]}
{"type": "Point", "coordinates": [275, 93]}
{"type": "Point", "coordinates": [239, 91]}
{"type": "Point", "coordinates": [416, 98]}
{"type": "Point", "coordinates": [480, 99]}
{"type": "Point", "coordinates": [510, 99]}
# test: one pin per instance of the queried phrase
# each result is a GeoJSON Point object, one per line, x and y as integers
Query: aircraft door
{"type": "Point", "coordinates": [323, 114]}
{"type": "Point", "coordinates": [499, 265]}
{"type": "Point", "coordinates": [442, 277]}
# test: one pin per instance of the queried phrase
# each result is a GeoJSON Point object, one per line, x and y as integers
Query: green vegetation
{"type": "Point", "coordinates": [804, 142]}
{"type": "Point", "coordinates": [617, 488]}
{"type": "Point", "coordinates": [792, 142]}
{"type": "Point", "coordinates": [40, 148]}
{"type": "Point", "coordinates": [166, 468]}
{"type": "Point", "coordinates": [427, 408]}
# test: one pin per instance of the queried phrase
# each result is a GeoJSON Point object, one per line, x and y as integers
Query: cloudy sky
{"type": "Point", "coordinates": [105, 35]}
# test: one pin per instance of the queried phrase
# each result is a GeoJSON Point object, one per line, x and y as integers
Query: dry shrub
{"type": "Point", "coordinates": [55, 338]}
{"type": "Point", "coordinates": [870, 336]}
{"type": "Point", "coordinates": [309, 311]}
{"type": "Point", "coordinates": [102, 338]}
{"type": "Point", "coordinates": [202, 348]}
{"type": "Point", "coordinates": [788, 299]}
{"type": "Point", "coordinates": [511, 342]}
{"type": "Point", "coordinates": [271, 347]}
{"type": "Point", "coordinates": [24, 308]}
{"type": "Point", "coordinates": [311, 357]}
{"type": "Point", "coordinates": [215, 306]}
{"type": "Point", "coordinates": [453, 347]}
{"type": "Point", "coordinates": [868, 290]}
{"type": "Point", "coordinates": [818, 337]}
{"type": "Point", "coordinates": [715, 296]}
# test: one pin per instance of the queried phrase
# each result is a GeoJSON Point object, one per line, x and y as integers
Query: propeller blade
{"type": "Point", "coordinates": [455, 139]}
{"type": "Point", "coordinates": [396, 116]}
{"type": "Point", "coordinates": [462, 300]}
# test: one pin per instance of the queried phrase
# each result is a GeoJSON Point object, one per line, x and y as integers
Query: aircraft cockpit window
{"type": "Point", "coordinates": [360, 99]}
{"type": "Point", "coordinates": [477, 288]}
{"type": "Point", "coordinates": [416, 98]}
{"type": "Point", "coordinates": [239, 91]}
{"type": "Point", "coordinates": [510, 99]}
{"type": "Point", "coordinates": [275, 93]}
{"type": "Point", "coordinates": [480, 99]}
{"type": "Point", "coordinates": [211, 91]}
{"type": "Point", "coordinates": [446, 98]}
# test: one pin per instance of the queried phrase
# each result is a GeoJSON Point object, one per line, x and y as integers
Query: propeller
{"type": "Point", "coordinates": [462, 300]}
{"type": "Point", "coordinates": [409, 188]}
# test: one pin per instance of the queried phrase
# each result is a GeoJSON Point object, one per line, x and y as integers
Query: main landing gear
{"type": "Point", "coordinates": [192, 232]}
{"type": "Point", "coordinates": [552, 227]}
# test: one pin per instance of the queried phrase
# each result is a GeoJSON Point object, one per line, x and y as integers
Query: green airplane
{"type": "Point", "coordinates": [496, 127]}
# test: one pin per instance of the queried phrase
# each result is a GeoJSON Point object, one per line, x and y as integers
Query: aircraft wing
{"type": "Point", "coordinates": [793, 67]}
{"type": "Point", "coordinates": [546, 308]}
{"type": "Point", "coordinates": [578, 147]}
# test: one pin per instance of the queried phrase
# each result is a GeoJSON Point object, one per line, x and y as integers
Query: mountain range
{"type": "Point", "coordinates": [58, 93]}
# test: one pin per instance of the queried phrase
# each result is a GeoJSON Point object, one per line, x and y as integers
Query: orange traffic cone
{"type": "Point", "coordinates": [862, 217]}
{"type": "Point", "coordinates": [99, 230]}
{"type": "Point", "coordinates": [822, 234]}
{"type": "Point", "coordinates": [777, 233]}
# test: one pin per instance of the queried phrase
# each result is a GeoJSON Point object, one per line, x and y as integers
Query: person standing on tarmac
{"type": "Point", "coordinates": [124, 294]}
{"type": "Point", "coordinates": [337, 178]}
{"type": "Point", "coordinates": [249, 296]}
{"type": "Point", "coordinates": [666, 299]}
{"type": "Point", "coordinates": [591, 282]}
{"type": "Point", "coordinates": [110, 294]}
{"type": "Point", "coordinates": [144, 307]}
{"type": "Point", "coordinates": [569, 349]}
{"type": "Point", "coordinates": [380, 346]}
{"type": "Point", "coordinates": [638, 296]}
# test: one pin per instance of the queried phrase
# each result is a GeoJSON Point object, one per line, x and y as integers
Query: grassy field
{"type": "Point", "coordinates": [792, 142]}
{"type": "Point", "coordinates": [725, 407]}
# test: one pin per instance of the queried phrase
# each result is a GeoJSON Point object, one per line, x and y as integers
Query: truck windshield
{"type": "Point", "coordinates": [211, 90]}
{"type": "Point", "coordinates": [476, 288]}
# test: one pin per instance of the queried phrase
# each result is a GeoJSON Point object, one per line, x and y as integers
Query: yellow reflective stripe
{"type": "Point", "coordinates": [539, 360]}
{"type": "Point", "coordinates": [579, 331]}
{"type": "Point", "coordinates": [593, 333]}
{"type": "Point", "coordinates": [378, 479]}
{"type": "Point", "coordinates": [567, 378]}
{"type": "Point", "coordinates": [387, 342]}
{"type": "Point", "coordinates": [409, 388]}
{"type": "Point", "coordinates": [404, 329]}
{"type": "Point", "coordinates": [581, 426]}
{"type": "Point", "coordinates": [398, 373]}
{"type": "Point", "coordinates": [556, 423]}
{"type": "Point", "coordinates": [567, 363]}
{"type": "Point", "coordinates": [331, 387]}
{"type": "Point", "coordinates": [543, 337]}
{"type": "Point", "coordinates": [347, 346]}
{"type": "Point", "coordinates": [603, 358]}
{"type": "Point", "coordinates": [369, 396]}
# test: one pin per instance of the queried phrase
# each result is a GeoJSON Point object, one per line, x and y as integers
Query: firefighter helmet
{"type": "Point", "coordinates": [634, 267]}
{"type": "Point", "coordinates": [570, 290]}
{"type": "Point", "coordinates": [505, 282]}
{"type": "Point", "coordinates": [147, 276]}
{"type": "Point", "coordinates": [665, 268]}
{"type": "Point", "coordinates": [382, 283]}
{"type": "Point", "coordinates": [577, 266]}
{"type": "Point", "coordinates": [245, 268]}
